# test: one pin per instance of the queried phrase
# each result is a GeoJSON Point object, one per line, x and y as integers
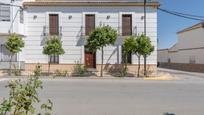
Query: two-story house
{"type": "Point", "coordinates": [11, 21]}
{"type": "Point", "coordinates": [73, 20]}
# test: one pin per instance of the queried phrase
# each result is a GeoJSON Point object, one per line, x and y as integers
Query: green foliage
{"type": "Point", "coordinates": [101, 37]}
{"type": "Point", "coordinates": [80, 69]}
{"type": "Point", "coordinates": [130, 46]}
{"type": "Point", "coordinates": [60, 73]}
{"type": "Point", "coordinates": [53, 46]}
{"type": "Point", "coordinates": [38, 70]}
{"type": "Point", "coordinates": [123, 72]}
{"type": "Point", "coordinates": [145, 49]}
{"type": "Point", "coordinates": [14, 44]}
{"type": "Point", "coordinates": [22, 97]}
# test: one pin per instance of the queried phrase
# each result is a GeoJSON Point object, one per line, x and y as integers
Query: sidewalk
{"type": "Point", "coordinates": [178, 72]}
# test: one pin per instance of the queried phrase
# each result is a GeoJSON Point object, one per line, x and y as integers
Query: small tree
{"type": "Point", "coordinates": [101, 37]}
{"type": "Point", "coordinates": [129, 46]}
{"type": "Point", "coordinates": [146, 49]}
{"type": "Point", "coordinates": [14, 45]}
{"type": "Point", "coordinates": [53, 46]}
{"type": "Point", "coordinates": [138, 52]}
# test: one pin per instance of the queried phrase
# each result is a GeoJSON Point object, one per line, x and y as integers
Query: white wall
{"type": "Point", "coordinates": [190, 45]}
{"type": "Point", "coordinates": [14, 25]}
{"type": "Point", "coordinates": [71, 31]}
{"type": "Point", "coordinates": [163, 55]}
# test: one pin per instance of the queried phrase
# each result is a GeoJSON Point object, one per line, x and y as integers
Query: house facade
{"type": "Point", "coordinates": [187, 53]}
{"type": "Point", "coordinates": [11, 21]}
{"type": "Point", "coordinates": [73, 21]}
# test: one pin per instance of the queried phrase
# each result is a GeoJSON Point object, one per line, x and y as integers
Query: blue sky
{"type": "Point", "coordinates": [168, 24]}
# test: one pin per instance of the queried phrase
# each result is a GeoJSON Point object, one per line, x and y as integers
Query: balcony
{"type": "Point", "coordinates": [47, 31]}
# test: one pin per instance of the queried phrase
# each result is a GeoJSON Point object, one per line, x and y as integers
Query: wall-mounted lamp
{"type": "Point", "coordinates": [35, 17]}
{"type": "Point", "coordinates": [142, 17]}
{"type": "Point", "coordinates": [70, 17]}
{"type": "Point", "coordinates": [108, 17]}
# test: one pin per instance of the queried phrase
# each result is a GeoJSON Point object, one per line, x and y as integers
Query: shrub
{"type": "Point", "coordinates": [123, 72]}
{"type": "Point", "coordinates": [38, 70]}
{"type": "Point", "coordinates": [23, 96]}
{"type": "Point", "coordinates": [15, 71]}
{"type": "Point", "coordinates": [60, 73]}
{"type": "Point", "coordinates": [80, 69]}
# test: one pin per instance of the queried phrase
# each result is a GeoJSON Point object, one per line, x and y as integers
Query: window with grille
{"type": "Point", "coordinates": [4, 13]}
{"type": "Point", "coordinates": [21, 16]}
{"type": "Point", "coordinates": [54, 59]}
{"type": "Point", "coordinates": [5, 54]}
{"type": "Point", "coordinates": [126, 58]}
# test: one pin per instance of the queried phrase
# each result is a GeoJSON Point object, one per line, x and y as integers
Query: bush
{"type": "Point", "coordinates": [80, 69]}
{"type": "Point", "coordinates": [16, 72]}
{"type": "Point", "coordinates": [38, 70]}
{"type": "Point", "coordinates": [123, 72]}
{"type": "Point", "coordinates": [23, 95]}
{"type": "Point", "coordinates": [60, 73]}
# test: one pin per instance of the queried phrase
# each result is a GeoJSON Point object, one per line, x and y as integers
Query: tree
{"type": "Point", "coordinates": [147, 49]}
{"type": "Point", "coordinates": [14, 45]}
{"type": "Point", "coordinates": [53, 46]}
{"type": "Point", "coordinates": [100, 38]}
{"type": "Point", "coordinates": [138, 52]}
{"type": "Point", "coordinates": [129, 46]}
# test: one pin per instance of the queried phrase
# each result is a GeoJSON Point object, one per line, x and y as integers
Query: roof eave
{"type": "Point", "coordinates": [152, 4]}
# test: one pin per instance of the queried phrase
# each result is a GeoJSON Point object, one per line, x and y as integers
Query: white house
{"type": "Point", "coordinates": [73, 20]}
{"type": "Point", "coordinates": [11, 21]}
{"type": "Point", "coordinates": [188, 52]}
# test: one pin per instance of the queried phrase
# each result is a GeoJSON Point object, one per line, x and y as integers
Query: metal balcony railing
{"type": "Point", "coordinates": [47, 31]}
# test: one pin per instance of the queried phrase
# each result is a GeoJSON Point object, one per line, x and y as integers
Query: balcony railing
{"type": "Point", "coordinates": [47, 31]}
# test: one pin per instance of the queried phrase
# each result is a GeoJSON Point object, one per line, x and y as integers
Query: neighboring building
{"type": "Point", "coordinates": [188, 53]}
{"type": "Point", "coordinates": [11, 21]}
{"type": "Point", "coordinates": [73, 20]}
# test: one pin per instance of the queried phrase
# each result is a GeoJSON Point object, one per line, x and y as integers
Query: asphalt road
{"type": "Point", "coordinates": [122, 97]}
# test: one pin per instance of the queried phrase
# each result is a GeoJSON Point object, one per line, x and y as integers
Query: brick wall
{"type": "Point", "coordinates": [184, 67]}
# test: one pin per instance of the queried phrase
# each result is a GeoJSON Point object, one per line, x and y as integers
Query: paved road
{"type": "Point", "coordinates": [123, 97]}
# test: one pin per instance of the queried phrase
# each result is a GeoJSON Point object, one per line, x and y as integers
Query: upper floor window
{"type": "Point", "coordinates": [4, 13]}
{"type": "Point", "coordinates": [89, 23]}
{"type": "Point", "coordinates": [54, 24]}
{"type": "Point", "coordinates": [126, 25]}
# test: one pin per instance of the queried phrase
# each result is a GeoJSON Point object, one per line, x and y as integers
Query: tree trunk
{"type": "Point", "coordinates": [102, 62]}
{"type": "Point", "coordinates": [10, 65]}
{"type": "Point", "coordinates": [49, 67]}
{"type": "Point", "coordinates": [138, 69]}
{"type": "Point", "coordinates": [145, 66]}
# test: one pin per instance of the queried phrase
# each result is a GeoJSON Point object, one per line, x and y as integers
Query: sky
{"type": "Point", "coordinates": [169, 25]}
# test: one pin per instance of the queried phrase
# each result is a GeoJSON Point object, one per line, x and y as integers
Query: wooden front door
{"type": "Point", "coordinates": [90, 60]}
